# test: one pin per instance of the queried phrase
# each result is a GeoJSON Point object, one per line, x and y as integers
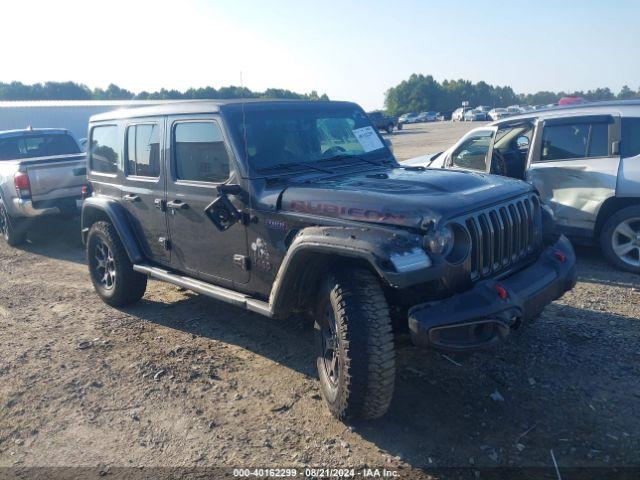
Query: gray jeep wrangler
{"type": "Point", "coordinates": [284, 207]}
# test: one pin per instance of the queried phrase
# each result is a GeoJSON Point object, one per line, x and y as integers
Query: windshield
{"type": "Point", "coordinates": [278, 137]}
{"type": "Point", "coordinates": [30, 146]}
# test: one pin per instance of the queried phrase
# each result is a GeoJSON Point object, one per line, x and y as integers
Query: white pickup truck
{"type": "Point", "coordinates": [42, 172]}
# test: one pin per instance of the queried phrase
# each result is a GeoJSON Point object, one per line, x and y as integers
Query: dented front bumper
{"type": "Point", "coordinates": [485, 314]}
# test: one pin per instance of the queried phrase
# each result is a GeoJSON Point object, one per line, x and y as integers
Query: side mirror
{"type": "Point", "coordinates": [222, 213]}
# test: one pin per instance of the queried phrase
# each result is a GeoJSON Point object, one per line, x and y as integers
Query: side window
{"type": "Point", "coordinates": [143, 150]}
{"type": "Point", "coordinates": [200, 152]}
{"type": "Point", "coordinates": [598, 140]}
{"type": "Point", "coordinates": [630, 138]}
{"type": "Point", "coordinates": [103, 154]}
{"type": "Point", "coordinates": [579, 140]}
{"type": "Point", "coordinates": [472, 153]}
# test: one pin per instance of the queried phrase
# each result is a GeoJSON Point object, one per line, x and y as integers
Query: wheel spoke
{"type": "Point", "coordinates": [105, 269]}
{"type": "Point", "coordinates": [625, 230]}
{"type": "Point", "coordinates": [623, 248]}
{"type": "Point", "coordinates": [334, 365]}
{"type": "Point", "coordinates": [330, 346]}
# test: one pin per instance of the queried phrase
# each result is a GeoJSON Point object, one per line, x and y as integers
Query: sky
{"type": "Point", "coordinates": [350, 50]}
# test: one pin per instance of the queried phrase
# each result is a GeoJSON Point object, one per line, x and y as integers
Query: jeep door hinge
{"type": "Point", "coordinates": [165, 242]}
{"type": "Point", "coordinates": [241, 261]}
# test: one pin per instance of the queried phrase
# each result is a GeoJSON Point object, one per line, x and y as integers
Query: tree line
{"type": "Point", "coordinates": [423, 93]}
{"type": "Point", "coordinates": [78, 91]}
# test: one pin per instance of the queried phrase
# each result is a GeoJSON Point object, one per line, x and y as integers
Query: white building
{"type": "Point", "coordinates": [70, 114]}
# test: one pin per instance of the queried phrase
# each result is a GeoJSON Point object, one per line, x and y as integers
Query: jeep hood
{"type": "Point", "coordinates": [401, 196]}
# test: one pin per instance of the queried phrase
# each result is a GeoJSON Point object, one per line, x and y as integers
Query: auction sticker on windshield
{"type": "Point", "coordinates": [368, 138]}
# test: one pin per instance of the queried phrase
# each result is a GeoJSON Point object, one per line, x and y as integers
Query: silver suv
{"type": "Point", "coordinates": [584, 161]}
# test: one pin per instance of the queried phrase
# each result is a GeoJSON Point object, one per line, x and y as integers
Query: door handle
{"type": "Point", "coordinates": [131, 197]}
{"type": "Point", "coordinates": [177, 205]}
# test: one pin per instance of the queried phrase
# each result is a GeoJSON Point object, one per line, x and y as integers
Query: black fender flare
{"type": "Point", "coordinates": [101, 208]}
{"type": "Point", "coordinates": [370, 246]}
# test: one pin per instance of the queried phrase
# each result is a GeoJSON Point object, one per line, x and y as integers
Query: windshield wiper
{"type": "Point", "coordinates": [288, 166]}
{"type": "Point", "coordinates": [344, 156]}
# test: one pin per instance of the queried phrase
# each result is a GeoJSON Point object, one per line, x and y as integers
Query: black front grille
{"type": "Point", "coordinates": [503, 235]}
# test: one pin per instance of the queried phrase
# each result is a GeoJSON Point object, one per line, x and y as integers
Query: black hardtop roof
{"type": "Point", "coordinates": [180, 107]}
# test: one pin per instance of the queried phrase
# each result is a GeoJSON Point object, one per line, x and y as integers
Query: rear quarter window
{"type": "Point", "coordinates": [630, 138]}
{"type": "Point", "coordinates": [104, 148]}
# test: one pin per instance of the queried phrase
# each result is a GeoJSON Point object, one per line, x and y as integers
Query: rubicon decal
{"type": "Point", "coordinates": [333, 210]}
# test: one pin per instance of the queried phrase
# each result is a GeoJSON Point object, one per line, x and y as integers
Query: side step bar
{"type": "Point", "coordinates": [219, 293]}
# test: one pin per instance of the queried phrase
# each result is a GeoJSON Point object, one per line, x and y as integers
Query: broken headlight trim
{"type": "Point", "coordinates": [410, 260]}
{"type": "Point", "coordinates": [439, 241]}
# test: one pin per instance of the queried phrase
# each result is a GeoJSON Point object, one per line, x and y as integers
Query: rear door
{"type": "Point", "coordinates": [200, 160]}
{"type": "Point", "coordinates": [574, 165]}
{"type": "Point", "coordinates": [143, 185]}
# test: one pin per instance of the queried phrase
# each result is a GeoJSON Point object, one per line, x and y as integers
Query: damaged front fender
{"type": "Point", "coordinates": [397, 257]}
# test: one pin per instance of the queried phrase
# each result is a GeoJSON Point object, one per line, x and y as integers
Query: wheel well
{"type": "Point", "coordinates": [303, 279]}
{"type": "Point", "coordinates": [91, 216]}
{"type": "Point", "coordinates": [609, 207]}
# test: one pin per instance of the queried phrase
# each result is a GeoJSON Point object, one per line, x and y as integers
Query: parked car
{"type": "Point", "coordinates": [458, 114]}
{"type": "Point", "coordinates": [444, 116]}
{"type": "Point", "coordinates": [497, 113]}
{"type": "Point", "coordinates": [583, 160]}
{"type": "Point", "coordinates": [42, 172]}
{"type": "Point", "coordinates": [475, 116]}
{"type": "Point", "coordinates": [383, 122]}
{"type": "Point", "coordinates": [408, 118]}
{"type": "Point", "coordinates": [483, 108]}
{"type": "Point", "coordinates": [514, 110]}
{"type": "Point", "coordinates": [427, 117]}
{"type": "Point", "coordinates": [300, 206]}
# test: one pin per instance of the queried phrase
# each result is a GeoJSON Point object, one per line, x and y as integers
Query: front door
{"type": "Point", "coordinates": [143, 188]}
{"type": "Point", "coordinates": [200, 160]}
{"type": "Point", "coordinates": [473, 151]}
{"type": "Point", "coordinates": [574, 165]}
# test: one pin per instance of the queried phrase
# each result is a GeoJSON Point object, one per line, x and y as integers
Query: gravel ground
{"type": "Point", "coordinates": [182, 380]}
{"type": "Point", "coordinates": [421, 138]}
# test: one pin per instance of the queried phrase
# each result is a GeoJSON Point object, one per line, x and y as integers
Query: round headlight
{"type": "Point", "coordinates": [440, 241]}
{"type": "Point", "coordinates": [451, 241]}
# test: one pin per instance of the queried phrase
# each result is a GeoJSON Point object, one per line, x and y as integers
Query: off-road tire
{"type": "Point", "coordinates": [366, 355]}
{"type": "Point", "coordinates": [11, 229]}
{"type": "Point", "coordinates": [606, 237]}
{"type": "Point", "coordinates": [127, 286]}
